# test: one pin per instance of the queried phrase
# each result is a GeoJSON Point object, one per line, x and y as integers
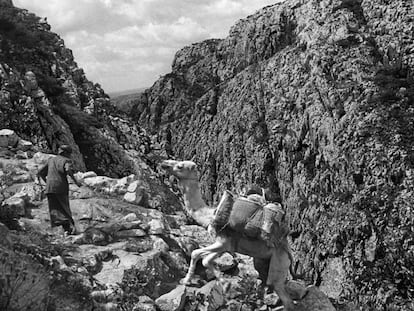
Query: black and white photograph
{"type": "Point", "coordinates": [212, 155]}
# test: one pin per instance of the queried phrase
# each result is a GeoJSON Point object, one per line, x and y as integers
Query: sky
{"type": "Point", "coordinates": [129, 44]}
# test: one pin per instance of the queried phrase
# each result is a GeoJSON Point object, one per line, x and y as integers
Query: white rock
{"type": "Point", "coordinates": [121, 185]}
{"type": "Point", "coordinates": [22, 177]}
{"type": "Point", "coordinates": [99, 182]}
{"type": "Point", "coordinates": [112, 272]}
{"type": "Point", "coordinates": [172, 301]}
{"type": "Point", "coordinates": [133, 186]}
{"type": "Point", "coordinates": [8, 138]}
{"type": "Point", "coordinates": [160, 245]}
{"type": "Point", "coordinates": [138, 197]}
{"type": "Point", "coordinates": [24, 145]}
{"type": "Point", "coordinates": [130, 217]}
{"type": "Point", "coordinates": [42, 158]}
{"type": "Point", "coordinates": [157, 226]}
{"type": "Point", "coordinates": [88, 174]}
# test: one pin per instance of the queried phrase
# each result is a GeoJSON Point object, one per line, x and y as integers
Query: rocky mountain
{"type": "Point", "coordinates": [314, 99]}
{"type": "Point", "coordinates": [47, 99]}
{"type": "Point", "coordinates": [133, 239]}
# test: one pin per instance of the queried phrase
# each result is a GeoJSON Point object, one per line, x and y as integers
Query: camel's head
{"type": "Point", "coordinates": [180, 169]}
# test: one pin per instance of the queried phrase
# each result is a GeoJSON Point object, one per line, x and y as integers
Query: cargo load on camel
{"type": "Point", "coordinates": [250, 216]}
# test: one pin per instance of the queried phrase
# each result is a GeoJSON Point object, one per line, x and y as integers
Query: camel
{"type": "Point", "coordinates": [272, 262]}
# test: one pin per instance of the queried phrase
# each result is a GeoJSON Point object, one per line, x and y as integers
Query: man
{"type": "Point", "coordinates": [54, 173]}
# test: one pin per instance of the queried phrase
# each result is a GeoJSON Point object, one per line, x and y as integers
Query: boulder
{"type": "Point", "coordinates": [99, 182]}
{"type": "Point", "coordinates": [225, 262]}
{"type": "Point", "coordinates": [24, 145]}
{"type": "Point", "coordinates": [133, 186]}
{"type": "Point", "coordinates": [41, 158]}
{"type": "Point", "coordinates": [76, 192]}
{"type": "Point", "coordinates": [139, 197]}
{"type": "Point", "coordinates": [15, 205]}
{"type": "Point", "coordinates": [156, 226]}
{"type": "Point", "coordinates": [160, 245]}
{"type": "Point", "coordinates": [112, 272]}
{"type": "Point", "coordinates": [215, 295]}
{"type": "Point", "coordinates": [33, 191]}
{"type": "Point", "coordinates": [333, 278]}
{"type": "Point", "coordinates": [144, 303]}
{"type": "Point", "coordinates": [315, 300]}
{"type": "Point", "coordinates": [136, 194]}
{"type": "Point", "coordinates": [172, 301]}
{"type": "Point", "coordinates": [121, 186]}
{"type": "Point", "coordinates": [153, 274]}
{"type": "Point", "coordinates": [131, 233]}
{"type": "Point", "coordinates": [8, 138]}
{"type": "Point", "coordinates": [81, 175]}
{"type": "Point", "coordinates": [22, 177]}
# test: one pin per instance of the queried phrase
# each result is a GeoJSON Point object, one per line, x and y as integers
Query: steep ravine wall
{"type": "Point", "coordinates": [315, 98]}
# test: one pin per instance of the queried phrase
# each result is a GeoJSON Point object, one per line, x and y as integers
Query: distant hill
{"type": "Point", "coordinates": [127, 92]}
{"type": "Point", "coordinates": [125, 100]}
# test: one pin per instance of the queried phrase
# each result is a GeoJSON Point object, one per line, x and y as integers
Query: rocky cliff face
{"type": "Point", "coordinates": [47, 99]}
{"type": "Point", "coordinates": [315, 99]}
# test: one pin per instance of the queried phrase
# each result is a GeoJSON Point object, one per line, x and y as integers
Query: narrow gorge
{"type": "Point", "coordinates": [313, 99]}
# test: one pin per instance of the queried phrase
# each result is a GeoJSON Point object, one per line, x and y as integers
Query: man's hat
{"type": "Point", "coordinates": [65, 149]}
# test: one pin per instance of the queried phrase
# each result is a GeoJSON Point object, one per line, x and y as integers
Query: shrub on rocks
{"type": "Point", "coordinates": [23, 284]}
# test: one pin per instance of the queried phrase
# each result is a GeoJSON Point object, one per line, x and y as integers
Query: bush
{"type": "Point", "coordinates": [23, 284]}
{"type": "Point", "coordinates": [250, 292]}
{"type": "Point", "coordinates": [49, 85]}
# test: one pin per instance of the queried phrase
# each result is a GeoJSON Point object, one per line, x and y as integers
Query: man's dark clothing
{"type": "Point", "coordinates": [57, 190]}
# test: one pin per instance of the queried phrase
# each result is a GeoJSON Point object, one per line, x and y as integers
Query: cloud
{"type": "Point", "coordinates": [125, 44]}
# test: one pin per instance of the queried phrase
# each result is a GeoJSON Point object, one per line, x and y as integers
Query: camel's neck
{"type": "Point", "coordinates": [194, 204]}
{"type": "Point", "coordinates": [192, 195]}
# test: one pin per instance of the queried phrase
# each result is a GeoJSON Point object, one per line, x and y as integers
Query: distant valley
{"type": "Point", "coordinates": [125, 100]}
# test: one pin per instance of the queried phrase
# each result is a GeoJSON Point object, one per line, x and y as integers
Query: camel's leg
{"type": "Point", "coordinates": [262, 267]}
{"type": "Point", "coordinates": [278, 272]}
{"type": "Point", "coordinates": [212, 250]}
